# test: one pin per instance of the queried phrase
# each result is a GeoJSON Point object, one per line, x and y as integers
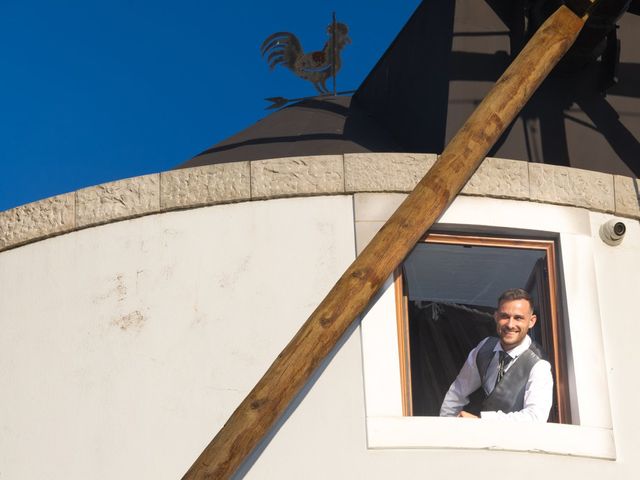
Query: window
{"type": "Point", "coordinates": [446, 293]}
{"type": "Point", "coordinates": [568, 243]}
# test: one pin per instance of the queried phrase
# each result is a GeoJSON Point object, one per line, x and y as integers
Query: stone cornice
{"type": "Point", "coordinates": [306, 176]}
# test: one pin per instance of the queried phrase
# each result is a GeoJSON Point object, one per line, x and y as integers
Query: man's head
{"type": "Point", "coordinates": [514, 317]}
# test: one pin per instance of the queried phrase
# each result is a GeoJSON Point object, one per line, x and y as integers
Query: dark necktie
{"type": "Point", "coordinates": [502, 365]}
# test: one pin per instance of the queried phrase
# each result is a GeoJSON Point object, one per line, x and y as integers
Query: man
{"type": "Point", "coordinates": [505, 377]}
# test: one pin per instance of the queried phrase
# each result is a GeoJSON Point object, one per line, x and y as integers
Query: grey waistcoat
{"type": "Point", "coordinates": [508, 395]}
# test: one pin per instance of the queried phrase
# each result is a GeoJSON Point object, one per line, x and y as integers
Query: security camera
{"type": "Point", "coordinates": [612, 232]}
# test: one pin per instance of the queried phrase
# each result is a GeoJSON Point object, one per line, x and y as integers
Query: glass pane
{"type": "Point", "coordinates": [466, 274]}
{"type": "Point", "coordinates": [452, 292]}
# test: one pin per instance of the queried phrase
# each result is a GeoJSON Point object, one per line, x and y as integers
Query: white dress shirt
{"type": "Point", "coordinates": [538, 394]}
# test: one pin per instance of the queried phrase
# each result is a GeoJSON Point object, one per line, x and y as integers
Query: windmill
{"type": "Point", "coordinates": [263, 406]}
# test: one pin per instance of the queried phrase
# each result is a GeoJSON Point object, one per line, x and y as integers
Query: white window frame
{"type": "Point", "coordinates": [592, 433]}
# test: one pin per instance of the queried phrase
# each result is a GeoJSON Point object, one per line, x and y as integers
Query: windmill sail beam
{"type": "Point", "coordinates": [258, 412]}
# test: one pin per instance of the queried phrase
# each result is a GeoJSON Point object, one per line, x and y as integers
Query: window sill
{"type": "Point", "coordinates": [457, 433]}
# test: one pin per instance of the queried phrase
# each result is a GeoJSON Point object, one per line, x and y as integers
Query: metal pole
{"type": "Point", "coordinates": [333, 52]}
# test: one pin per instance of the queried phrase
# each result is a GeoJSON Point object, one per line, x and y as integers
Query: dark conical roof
{"type": "Point", "coordinates": [440, 66]}
{"type": "Point", "coordinates": [320, 126]}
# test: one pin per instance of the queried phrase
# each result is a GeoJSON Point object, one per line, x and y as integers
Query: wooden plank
{"type": "Point", "coordinates": [348, 298]}
{"type": "Point", "coordinates": [404, 349]}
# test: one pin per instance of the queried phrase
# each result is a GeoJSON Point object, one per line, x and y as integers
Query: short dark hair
{"type": "Point", "coordinates": [515, 294]}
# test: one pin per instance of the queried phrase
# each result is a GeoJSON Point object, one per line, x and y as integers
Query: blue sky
{"type": "Point", "coordinates": [97, 91]}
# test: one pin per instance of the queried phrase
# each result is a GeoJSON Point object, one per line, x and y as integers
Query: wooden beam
{"type": "Point", "coordinates": [316, 338]}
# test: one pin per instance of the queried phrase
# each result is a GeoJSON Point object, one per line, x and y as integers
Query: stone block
{"type": "Point", "coordinates": [206, 185]}
{"type": "Point", "coordinates": [283, 177]}
{"type": "Point", "coordinates": [37, 220]}
{"type": "Point", "coordinates": [627, 196]}
{"type": "Point", "coordinates": [118, 200]}
{"type": "Point", "coordinates": [501, 178]}
{"type": "Point", "coordinates": [571, 186]}
{"type": "Point", "coordinates": [385, 172]}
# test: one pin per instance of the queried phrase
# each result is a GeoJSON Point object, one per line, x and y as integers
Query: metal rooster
{"type": "Point", "coordinates": [283, 48]}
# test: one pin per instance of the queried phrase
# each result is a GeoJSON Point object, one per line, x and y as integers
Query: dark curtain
{"type": "Point", "coordinates": [441, 337]}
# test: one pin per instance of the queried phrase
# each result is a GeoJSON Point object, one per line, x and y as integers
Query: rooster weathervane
{"type": "Point", "coordinates": [284, 48]}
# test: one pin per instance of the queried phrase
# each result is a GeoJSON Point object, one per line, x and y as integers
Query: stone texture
{"type": "Point", "coordinates": [385, 172]}
{"type": "Point", "coordinates": [37, 220]}
{"type": "Point", "coordinates": [207, 185]}
{"type": "Point", "coordinates": [499, 178]}
{"type": "Point", "coordinates": [118, 200]}
{"type": "Point", "coordinates": [300, 176]}
{"type": "Point", "coordinates": [571, 186]}
{"type": "Point", "coordinates": [297, 176]}
{"type": "Point", "coordinates": [627, 196]}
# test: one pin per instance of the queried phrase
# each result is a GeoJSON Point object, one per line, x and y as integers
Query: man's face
{"type": "Point", "coordinates": [514, 318]}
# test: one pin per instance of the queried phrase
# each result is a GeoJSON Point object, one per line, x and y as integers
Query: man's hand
{"type": "Point", "coordinates": [464, 414]}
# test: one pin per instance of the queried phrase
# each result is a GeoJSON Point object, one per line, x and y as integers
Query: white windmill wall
{"type": "Point", "coordinates": [125, 346]}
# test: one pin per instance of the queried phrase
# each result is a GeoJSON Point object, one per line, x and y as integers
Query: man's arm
{"type": "Point", "coordinates": [467, 382]}
{"type": "Point", "coordinates": [538, 397]}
